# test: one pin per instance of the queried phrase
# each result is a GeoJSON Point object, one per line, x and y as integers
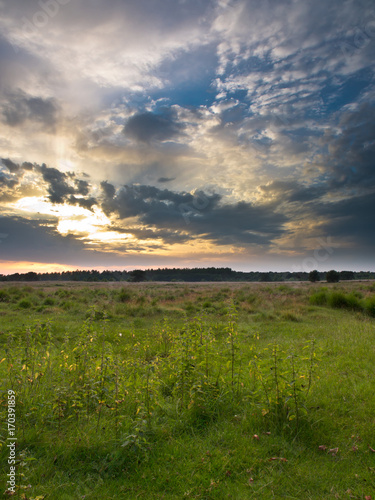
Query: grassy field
{"type": "Point", "coordinates": [205, 391]}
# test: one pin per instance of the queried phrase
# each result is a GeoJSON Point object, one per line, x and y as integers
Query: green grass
{"type": "Point", "coordinates": [190, 391]}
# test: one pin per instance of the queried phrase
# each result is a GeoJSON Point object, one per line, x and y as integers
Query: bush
{"type": "Point", "coordinates": [339, 300]}
{"type": "Point", "coordinates": [319, 298]}
{"type": "Point", "coordinates": [124, 295]}
{"type": "Point", "coordinates": [353, 301]}
{"type": "Point", "coordinates": [4, 297]}
{"type": "Point", "coordinates": [49, 302]}
{"type": "Point", "coordinates": [369, 306]}
{"type": "Point", "coordinates": [24, 304]}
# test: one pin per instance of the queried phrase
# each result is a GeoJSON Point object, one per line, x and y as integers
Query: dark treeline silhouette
{"type": "Point", "coordinates": [182, 275]}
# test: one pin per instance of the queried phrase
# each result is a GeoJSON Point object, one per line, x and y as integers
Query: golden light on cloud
{"type": "Point", "coordinates": [8, 267]}
{"type": "Point", "coordinates": [71, 219]}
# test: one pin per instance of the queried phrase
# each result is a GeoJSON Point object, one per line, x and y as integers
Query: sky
{"type": "Point", "coordinates": [187, 133]}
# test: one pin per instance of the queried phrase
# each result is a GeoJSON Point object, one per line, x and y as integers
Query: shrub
{"type": "Point", "coordinates": [49, 302]}
{"type": "Point", "coordinates": [124, 295]}
{"type": "Point", "coordinates": [24, 304]}
{"type": "Point", "coordinates": [353, 301]}
{"type": "Point", "coordinates": [319, 298]}
{"type": "Point", "coordinates": [4, 297]}
{"type": "Point", "coordinates": [369, 306]}
{"type": "Point", "coordinates": [339, 300]}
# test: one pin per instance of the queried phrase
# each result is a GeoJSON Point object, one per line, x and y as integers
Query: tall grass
{"type": "Point", "coordinates": [341, 300]}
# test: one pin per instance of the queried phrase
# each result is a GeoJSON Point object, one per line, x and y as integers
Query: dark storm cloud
{"type": "Point", "coordinates": [83, 187]}
{"type": "Point", "coordinates": [350, 220]}
{"type": "Point", "coordinates": [166, 179]}
{"type": "Point", "coordinates": [11, 166]}
{"type": "Point", "coordinates": [11, 179]}
{"type": "Point", "coordinates": [351, 158]}
{"type": "Point", "coordinates": [292, 191]}
{"type": "Point", "coordinates": [61, 189]}
{"type": "Point", "coordinates": [109, 189]}
{"type": "Point", "coordinates": [26, 165]}
{"type": "Point", "coordinates": [87, 203]}
{"type": "Point", "coordinates": [199, 215]}
{"type": "Point", "coordinates": [168, 236]}
{"type": "Point", "coordinates": [6, 182]}
{"type": "Point", "coordinates": [34, 240]}
{"type": "Point", "coordinates": [15, 167]}
{"type": "Point", "coordinates": [136, 200]}
{"type": "Point", "coordinates": [38, 241]}
{"type": "Point", "coordinates": [147, 127]}
{"type": "Point", "coordinates": [19, 107]}
{"type": "Point", "coordinates": [58, 187]}
{"type": "Point", "coordinates": [348, 160]}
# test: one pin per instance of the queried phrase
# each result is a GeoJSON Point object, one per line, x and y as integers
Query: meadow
{"type": "Point", "coordinates": [202, 391]}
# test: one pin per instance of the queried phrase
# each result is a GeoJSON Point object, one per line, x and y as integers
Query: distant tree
{"type": "Point", "coordinates": [347, 275]}
{"type": "Point", "coordinates": [31, 276]}
{"type": "Point", "coordinates": [265, 277]}
{"type": "Point", "coordinates": [333, 276]}
{"type": "Point", "coordinates": [314, 276]}
{"type": "Point", "coordinates": [137, 276]}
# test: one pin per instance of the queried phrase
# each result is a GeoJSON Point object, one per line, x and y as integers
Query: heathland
{"type": "Point", "coordinates": [205, 390]}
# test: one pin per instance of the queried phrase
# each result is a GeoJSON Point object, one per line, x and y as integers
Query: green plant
{"type": "Point", "coordinates": [49, 301]}
{"type": "Point", "coordinates": [333, 276]}
{"type": "Point", "coordinates": [319, 298]}
{"type": "Point", "coordinates": [232, 334]}
{"type": "Point", "coordinates": [285, 382]}
{"type": "Point", "coordinates": [369, 306]}
{"type": "Point", "coordinates": [314, 276]}
{"type": "Point", "coordinates": [4, 296]}
{"type": "Point", "coordinates": [24, 304]}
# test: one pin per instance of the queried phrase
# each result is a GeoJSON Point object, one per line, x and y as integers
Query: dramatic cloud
{"type": "Point", "coordinates": [19, 107]}
{"type": "Point", "coordinates": [199, 215]}
{"type": "Point", "coordinates": [146, 127]}
{"type": "Point", "coordinates": [61, 188]}
{"type": "Point", "coordinates": [258, 116]}
{"type": "Point", "coordinates": [166, 179]}
{"type": "Point", "coordinates": [35, 241]}
{"type": "Point", "coordinates": [10, 165]}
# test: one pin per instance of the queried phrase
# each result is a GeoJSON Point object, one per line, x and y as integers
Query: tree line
{"type": "Point", "coordinates": [189, 275]}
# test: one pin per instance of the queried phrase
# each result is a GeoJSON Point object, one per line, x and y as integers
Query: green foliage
{"type": "Point", "coordinates": [137, 276]}
{"type": "Point", "coordinates": [24, 304]}
{"type": "Point", "coordinates": [49, 301]}
{"type": "Point", "coordinates": [369, 306]}
{"type": "Point", "coordinates": [314, 276]}
{"type": "Point", "coordinates": [194, 404]}
{"type": "Point", "coordinates": [285, 381]}
{"type": "Point", "coordinates": [333, 276]}
{"type": "Point", "coordinates": [340, 300]}
{"type": "Point", "coordinates": [124, 295]}
{"type": "Point", "coordinates": [336, 299]}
